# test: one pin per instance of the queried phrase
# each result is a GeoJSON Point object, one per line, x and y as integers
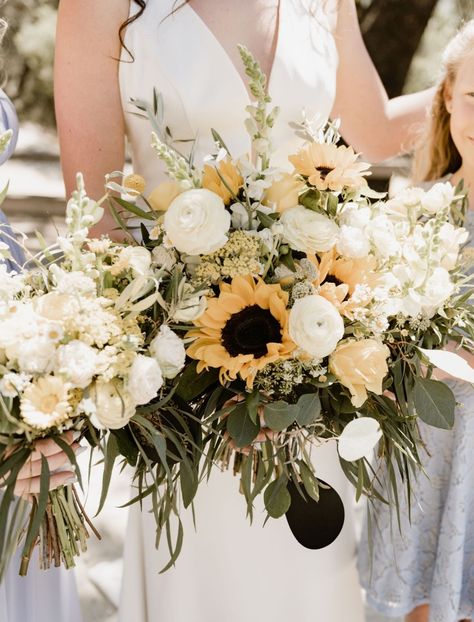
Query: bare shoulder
{"type": "Point", "coordinates": [91, 21]}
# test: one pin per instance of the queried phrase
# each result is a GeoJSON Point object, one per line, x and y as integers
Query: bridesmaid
{"type": "Point", "coordinates": [425, 569]}
{"type": "Point", "coordinates": [41, 596]}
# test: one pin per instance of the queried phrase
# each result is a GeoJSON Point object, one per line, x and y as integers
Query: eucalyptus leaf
{"type": "Point", "coordinates": [279, 415]}
{"type": "Point", "coordinates": [308, 409]}
{"type": "Point", "coordinates": [434, 403]}
{"type": "Point", "coordinates": [241, 427]}
{"type": "Point", "coordinates": [252, 401]}
{"type": "Point", "coordinates": [188, 479]}
{"type": "Point", "coordinates": [276, 497]}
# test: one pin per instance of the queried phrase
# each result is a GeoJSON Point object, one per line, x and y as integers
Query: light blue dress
{"type": "Point", "coordinates": [41, 596]}
{"type": "Point", "coordinates": [432, 560]}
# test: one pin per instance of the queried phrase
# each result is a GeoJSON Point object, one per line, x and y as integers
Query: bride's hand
{"type": "Point", "coordinates": [28, 479]}
{"type": "Point", "coordinates": [265, 434]}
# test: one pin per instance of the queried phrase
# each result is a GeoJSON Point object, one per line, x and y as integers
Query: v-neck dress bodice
{"type": "Point", "coordinates": [228, 569]}
{"type": "Point", "coordinates": [177, 54]}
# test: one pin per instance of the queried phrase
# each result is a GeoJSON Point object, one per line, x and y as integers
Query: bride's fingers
{"type": "Point", "coordinates": [33, 467]}
{"type": "Point", "coordinates": [48, 447]}
{"type": "Point", "coordinates": [31, 485]}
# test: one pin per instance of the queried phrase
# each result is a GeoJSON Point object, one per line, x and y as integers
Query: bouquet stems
{"type": "Point", "coordinates": [62, 533]}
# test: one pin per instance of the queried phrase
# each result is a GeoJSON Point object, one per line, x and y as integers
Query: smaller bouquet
{"type": "Point", "coordinates": [73, 358]}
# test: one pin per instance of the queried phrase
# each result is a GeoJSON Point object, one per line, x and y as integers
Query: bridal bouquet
{"type": "Point", "coordinates": [74, 357]}
{"type": "Point", "coordinates": [311, 310]}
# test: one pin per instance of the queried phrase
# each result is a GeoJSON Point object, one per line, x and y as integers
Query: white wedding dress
{"type": "Point", "coordinates": [230, 570]}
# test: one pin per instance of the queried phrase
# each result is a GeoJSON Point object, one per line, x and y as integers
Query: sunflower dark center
{"type": "Point", "coordinates": [249, 331]}
{"type": "Point", "coordinates": [324, 170]}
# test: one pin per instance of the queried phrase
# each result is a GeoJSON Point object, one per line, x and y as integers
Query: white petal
{"type": "Point", "coordinates": [451, 363]}
{"type": "Point", "coordinates": [358, 438]}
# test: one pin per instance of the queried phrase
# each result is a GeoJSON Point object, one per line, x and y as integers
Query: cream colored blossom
{"type": "Point", "coordinates": [360, 366]}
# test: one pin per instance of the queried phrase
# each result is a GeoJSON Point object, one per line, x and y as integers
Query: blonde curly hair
{"type": "Point", "coordinates": [436, 154]}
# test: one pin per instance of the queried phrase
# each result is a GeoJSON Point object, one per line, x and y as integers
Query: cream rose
{"type": "Point", "coordinates": [144, 379]}
{"type": "Point", "coordinates": [284, 193]}
{"type": "Point", "coordinates": [315, 325]}
{"type": "Point", "coordinates": [308, 231]}
{"type": "Point", "coordinates": [113, 405]}
{"type": "Point", "coordinates": [196, 222]}
{"type": "Point", "coordinates": [360, 366]}
{"type": "Point", "coordinates": [168, 349]}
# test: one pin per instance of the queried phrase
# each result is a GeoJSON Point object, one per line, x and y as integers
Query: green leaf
{"type": "Point", "coordinates": [241, 427]}
{"type": "Point", "coordinates": [277, 498]}
{"type": "Point", "coordinates": [308, 409]}
{"type": "Point", "coordinates": [126, 445]}
{"type": "Point", "coordinates": [111, 453]}
{"type": "Point", "coordinates": [252, 401]}
{"type": "Point", "coordinates": [188, 479]}
{"type": "Point", "coordinates": [311, 200]}
{"type": "Point", "coordinates": [332, 204]}
{"type": "Point", "coordinates": [35, 524]}
{"type": "Point", "coordinates": [288, 261]}
{"type": "Point", "coordinates": [279, 415]}
{"type": "Point", "coordinates": [191, 384]}
{"type": "Point", "coordinates": [131, 207]}
{"type": "Point", "coordinates": [310, 481]}
{"type": "Point", "coordinates": [266, 219]}
{"type": "Point", "coordinates": [434, 403]}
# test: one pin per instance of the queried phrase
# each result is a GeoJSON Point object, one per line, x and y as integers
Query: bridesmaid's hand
{"type": "Point", "coordinates": [28, 480]}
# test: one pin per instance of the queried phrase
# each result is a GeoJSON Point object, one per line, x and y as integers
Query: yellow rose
{"type": "Point", "coordinates": [163, 195]}
{"type": "Point", "coordinates": [231, 176]}
{"type": "Point", "coordinates": [284, 193]}
{"type": "Point", "coordinates": [360, 366]}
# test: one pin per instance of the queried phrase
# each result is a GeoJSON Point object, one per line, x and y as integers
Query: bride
{"type": "Point", "coordinates": [315, 58]}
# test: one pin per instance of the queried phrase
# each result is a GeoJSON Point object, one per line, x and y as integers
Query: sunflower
{"type": "Point", "coordinates": [242, 330]}
{"type": "Point", "coordinates": [329, 167]}
{"type": "Point", "coordinates": [225, 180]}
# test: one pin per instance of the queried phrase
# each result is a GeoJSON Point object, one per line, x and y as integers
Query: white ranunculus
{"type": "Point", "coordinates": [144, 379]}
{"type": "Point", "coordinates": [114, 406]}
{"type": "Point", "coordinates": [78, 362]}
{"type": "Point", "coordinates": [315, 325]}
{"type": "Point", "coordinates": [308, 231]}
{"type": "Point", "coordinates": [352, 242]}
{"type": "Point", "coordinates": [358, 438]}
{"type": "Point", "coordinates": [438, 197]}
{"type": "Point", "coordinates": [197, 222]}
{"type": "Point", "coordinates": [168, 349]}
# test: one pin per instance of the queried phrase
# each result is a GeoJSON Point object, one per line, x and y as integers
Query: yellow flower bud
{"type": "Point", "coordinates": [134, 182]}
